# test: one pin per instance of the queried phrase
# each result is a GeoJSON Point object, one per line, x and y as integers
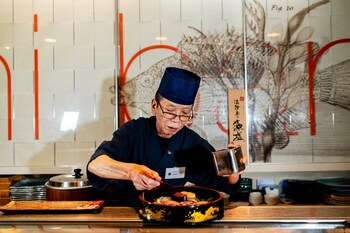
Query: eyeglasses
{"type": "Point", "coordinates": [170, 116]}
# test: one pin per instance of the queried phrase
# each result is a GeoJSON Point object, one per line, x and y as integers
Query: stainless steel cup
{"type": "Point", "coordinates": [228, 161]}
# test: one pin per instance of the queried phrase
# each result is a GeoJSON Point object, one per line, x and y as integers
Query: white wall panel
{"type": "Point", "coordinates": [105, 56]}
{"type": "Point", "coordinates": [232, 10]}
{"type": "Point", "coordinates": [63, 33]}
{"type": "Point", "coordinates": [3, 106]}
{"type": "Point", "coordinates": [84, 10]}
{"type": "Point", "coordinates": [102, 129]}
{"type": "Point", "coordinates": [130, 10]}
{"type": "Point", "coordinates": [104, 10]}
{"type": "Point", "coordinates": [23, 11]}
{"type": "Point", "coordinates": [23, 106]}
{"type": "Point", "coordinates": [83, 33]}
{"type": "Point", "coordinates": [6, 11]}
{"type": "Point", "coordinates": [34, 154]}
{"type": "Point", "coordinates": [23, 129]}
{"type": "Point", "coordinates": [6, 149]}
{"type": "Point", "coordinates": [104, 33]}
{"type": "Point", "coordinates": [73, 153]}
{"type": "Point", "coordinates": [44, 10]}
{"type": "Point", "coordinates": [3, 127]}
{"type": "Point", "coordinates": [23, 58]}
{"type": "Point", "coordinates": [22, 83]}
{"type": "Point", "coordinates": [63, 81]}
{"type": "Point", "coordinates": [47, 132]}
{"type": "Point", "coordinates": [63, 10]}
{"type": "Point", "coordinates": [191, 9]}
{"type": "Point", "coordinates": [45, 31]}
{"type": "Point", "coordinates": [150, 10]}
{"type": "Point", "coordinates": [85, 104]}
{"type": "Point", "coordinates": [170, 9]}
{"type": "Point", "coordinates": [45, 58]}
{"type": "Point", "coordinates": [85, 81]}
{"type": "Point", "coordinates": [46, 107]}
{"type": "Point", "coordinates": [84, 57]}
{"type": "Point", "coordinates": [211, 9]}
{"type": "Point", "coordinates": [23, 34]}
{"type": "Point", "coordinates": [104, 108]}
{"type": "Point", "coordinates": [64, 57]}
{"type": "Point", "coordinates": [6, 38]}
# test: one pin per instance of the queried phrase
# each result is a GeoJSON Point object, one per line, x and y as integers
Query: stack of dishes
{"type": "Point", "coordinates": [335, 191]}
{"type": "Point", "coordinates": [28, 190]}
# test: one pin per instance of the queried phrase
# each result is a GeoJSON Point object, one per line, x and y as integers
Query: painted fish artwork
{"type": "Point", "coordinates": [274, 73]}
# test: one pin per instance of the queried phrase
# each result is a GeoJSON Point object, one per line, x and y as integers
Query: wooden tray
{"type": "Point", "coordinates": [14, 207]}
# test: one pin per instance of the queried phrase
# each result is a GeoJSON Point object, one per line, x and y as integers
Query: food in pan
{"type": "Point", "coordinates": [183, 198]}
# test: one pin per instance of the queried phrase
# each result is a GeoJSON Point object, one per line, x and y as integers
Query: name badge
{"type": "Point", "coordinates": [175, 172]}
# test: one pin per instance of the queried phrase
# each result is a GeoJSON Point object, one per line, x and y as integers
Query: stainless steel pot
{"type": "Point", "coordinates": [70, 187]}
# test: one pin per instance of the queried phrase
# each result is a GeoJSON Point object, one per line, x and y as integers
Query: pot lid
{"type": "Point", "coordinates": [69, 181]}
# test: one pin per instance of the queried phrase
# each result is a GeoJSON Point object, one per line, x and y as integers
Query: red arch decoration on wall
{"type": "Point", "coordinates": [9, 98]}
{"type": "Point", "coordinates": [123, 110]}
{"type": "Point", "coordinates": [312, 62]}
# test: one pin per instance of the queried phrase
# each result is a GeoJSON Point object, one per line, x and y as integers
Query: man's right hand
{"type": "Point", "coordinates": [144, 178]}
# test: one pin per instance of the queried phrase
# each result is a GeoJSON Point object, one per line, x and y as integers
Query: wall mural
{"type": "Point", "coordinates": [287, 95]}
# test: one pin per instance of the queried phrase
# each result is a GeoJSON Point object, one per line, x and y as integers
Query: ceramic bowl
{"type": "Point", "coordinates": [271, 199]}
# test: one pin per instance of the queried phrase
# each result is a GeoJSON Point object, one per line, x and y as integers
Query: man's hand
{"type": "Point", "coordinates": [144, 178]}
{"type": "Point", "coordinates": [234, 178]}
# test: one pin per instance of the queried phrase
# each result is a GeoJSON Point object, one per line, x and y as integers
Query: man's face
{"type": "Point", "coordinates": [171, 117]}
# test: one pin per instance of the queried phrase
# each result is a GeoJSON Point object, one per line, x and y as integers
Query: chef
{"type": "Point", "coordinates": [145, 150]}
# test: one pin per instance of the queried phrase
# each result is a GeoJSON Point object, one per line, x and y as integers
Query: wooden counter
{"type": "Point", "coordinates": [280, 213]}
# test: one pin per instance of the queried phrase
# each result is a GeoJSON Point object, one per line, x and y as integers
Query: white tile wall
{"type": "Point", "coordinates": [76, 71]}
{"type": "Point", "coordinates": [23, 34]}
{"type": "Point", "coordinates": [105, 56]}
{"type": "Point", "coordinates": [83, 32]}
{"type": "Point", "coordinates": [22, 11]}
{"type": "Point", "coordinates": [104, 10]}
{"type": "Point", "coordinates": [22, 82]}
{"type": "Point", "coordinates": [23, 129]}
{"type": "Point", "coordinates": [3, 125]}
{"type": "Point", "coordinates": [84, 11]}
{"type": "Point", "coordinates": [130, 10]}
{"type": "Point", "coordinates": [191, 9]}
{"type": "Point", "coordinates": [23, 58]}
{"type": "Point", "coordinates": [77, 153]}
{"type": "Point", "coordinates": [64, 10]}
{"type": "Point", "coordinates": [171, 10]}
{"type": "Point", "coordinates": [150, 11]}
{"type": "Point", "coordinates": [6, 149]}
{"type": "Point", "coordinates": [34, 154]}
{"type": "Point", "coordinates": [23, 105]}
{"type": "Point", "coordinates": [6, 12]}
{"type": "Point", "coordinates": [6, 38]}
{"type": "Point", "coordinates": [211, 10]}
{"type": "Point", "coordinates": [102, 129]}
{"type": "Point", "coordinates": [3, 105]}
{"type": "Point", "coordinates": [44, 10]}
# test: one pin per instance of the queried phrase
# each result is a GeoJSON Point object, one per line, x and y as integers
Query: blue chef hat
{"type": "Point", "coordinates": [179, 86]}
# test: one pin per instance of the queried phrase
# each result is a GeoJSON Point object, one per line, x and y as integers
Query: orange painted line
{"type": "Point", "coordinates": [9, 98]}
{"type": "Point", "coordinates": [36, 94]}
{"type": "Point", "coordinates": [35, 23]}
{"type": "Point", "coordinates": [121, 44]}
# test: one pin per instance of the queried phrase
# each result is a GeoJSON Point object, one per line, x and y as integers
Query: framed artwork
{"type": "Point", "coordinates": [289, 57]}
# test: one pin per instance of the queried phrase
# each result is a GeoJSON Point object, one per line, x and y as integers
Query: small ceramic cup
{"type": "Point", "coordinates": [271, 199]}
{"type": "Point", "coordinates": [255, 198]}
